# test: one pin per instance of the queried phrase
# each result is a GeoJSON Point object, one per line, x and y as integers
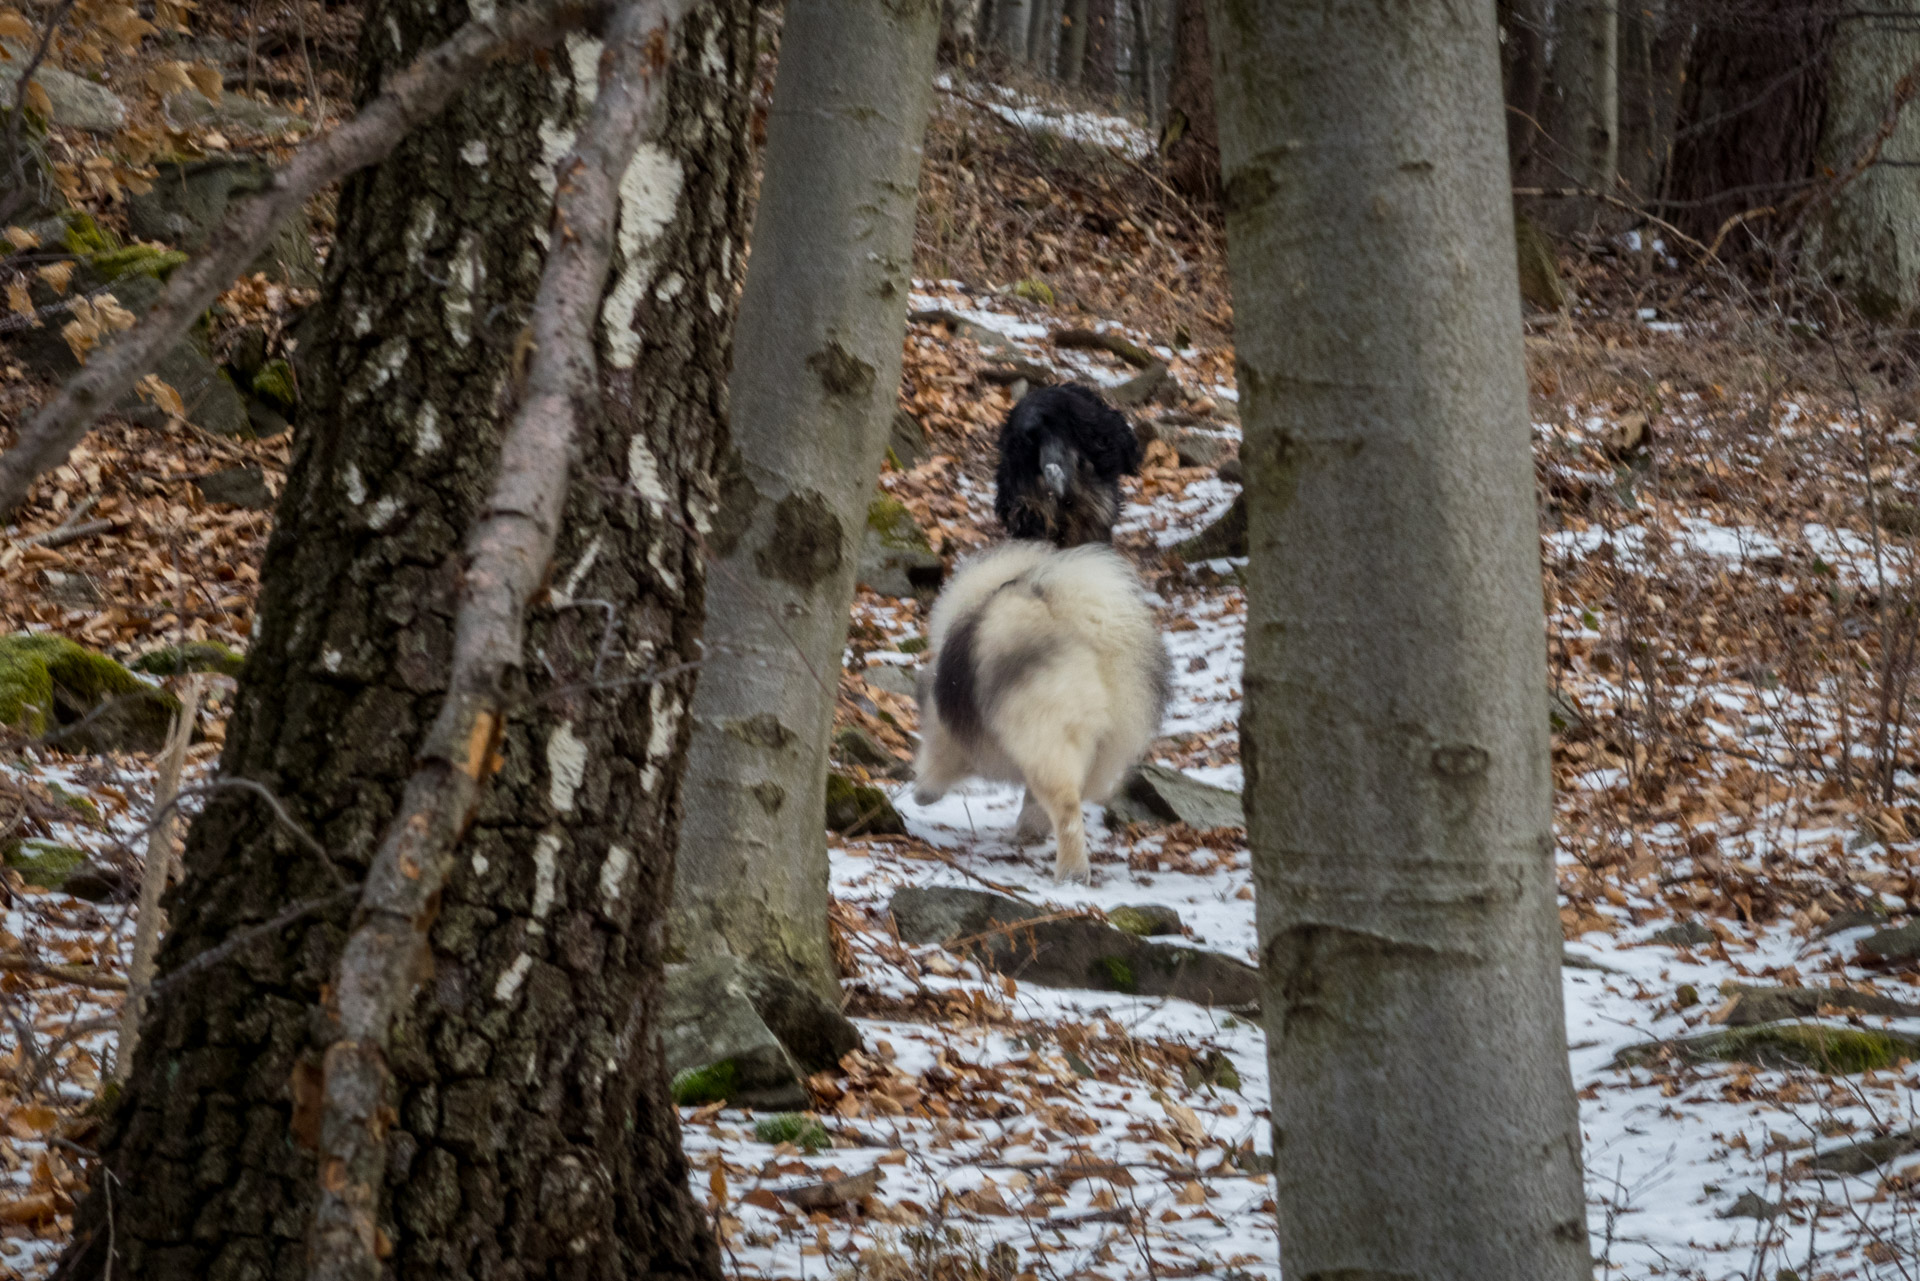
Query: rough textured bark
{"type": "Point", "coordinates": [1395, 736]}
{"type": "Point", "coordinates": [816, 372]}
{"type": "Point", "coordinates": [533, 1136]}
{"type": "Point", "coordinates": [1866, 239]}
{"type": "Point", "coordinates": [1193, 134]}
{"type": "Point", "coordinates": [1523, 75]}
{"type": "Point", "coordinates": [1099, 76]}
{"type": "Point", "coordinates": [1585, 80]}
{"type": "Point", "coordinates": [1751, 112]}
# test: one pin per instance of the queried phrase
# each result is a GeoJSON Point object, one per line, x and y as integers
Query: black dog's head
{"type": "Point", "coordinates": [1062, 453]}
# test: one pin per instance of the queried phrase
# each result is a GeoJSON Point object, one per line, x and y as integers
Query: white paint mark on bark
{"type": "Point", "coordinates": [566, 766]}
{"type": "Point", "coordinates": [643, 470]}
{"type": "Point", "coordinates": [351, 482]}
{"type": "Point", "coordinates": [480, 864]}
{"type": "Point", "coordinates": [515, 975]}
{"type": "Point", "coordinates": [564, 596]}
{"type": "Point", "coordinates": [426, 436]}
{"type": "Point", "coordinates": [613, 874]}
{"type": "Point", "coordinates": [330, 659]}
{"type": "Point", "coordinates": [649, 194]}
{"type": "Point", "coordinates": [546, 873]}
{"type": "Point", "coordinates": [474, 153]}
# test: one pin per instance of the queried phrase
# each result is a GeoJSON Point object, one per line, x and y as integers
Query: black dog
{"type": "Point", "coordinates": [1063, 451]}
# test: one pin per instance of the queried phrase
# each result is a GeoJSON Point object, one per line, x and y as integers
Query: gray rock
{"type": "Point", "coordinates": [895, 680]}
{"type": "Point", "coordinates": [1751, 1205]}
{"type": "Point", "coordinates": [78, 103]}
{"type": "Point", "coordinates": [211, 399]}
{"type": "Point", "coordinates": [1684, 934]}
{"type": "Point", "coordinates": [1232, 471]}
{"type": "Point", "coordinates": [1198, 448]}
{"type": "Point", "coordinates": [234, 113]}
{"type": "Point", "coordinates": [237, 487]}
{"type": "Point", "coordinates": [1858, 1158]}
{"type": "Point", "coordinates": [1156, 794]}
{"type": "Point", "coordinates": [1225, 537]}
{"type": "Point", "coordinates": [265, 420]}
{"type": "Point", "coordinates": [189, 198]}
{"type": "Point", "coordinates": [1753, 1005]}
{"type": "Point", "coordinates": [860, 809]}
{"type": "Point", "coordinates": [1901, 944]}
{"type": "Point", "coordinates": [1012, 937]}
{"type": "Point", "coordinates": [732, 1030]}
{"type": "Point", "coordinates": [1148, 385]}
{"type": "Point", "coordinates": [70, 590]}
{"type": "Point", "coordinates": [1823, 1047]}
{"type": "Point", "coordinates": [858, 747]}
{"type": "Point", "coordinates": [906, 440]}
{"type": "Point", "coordinates": [1853, 919]}
{"type": "Point", "coordinates": [895, 557]}
{"type": "Point", "coordinates": [989, 340]}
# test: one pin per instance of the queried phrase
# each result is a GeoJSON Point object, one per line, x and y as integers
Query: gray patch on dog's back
{"type": "Point", "coordinates": [955, 696]}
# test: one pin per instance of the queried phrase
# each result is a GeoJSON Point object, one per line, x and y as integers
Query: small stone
{"type": "Point", "coordinates": [236, 487]}
{"type": "Point", "coordinates": [860, 809]}
{"type": "Point", "coordinates": [1858, 1158]}
{"type": "Point", "coordinates": [1687, 933]}
{"type": "Point", "coordinates": [1148, 385]}
{"type": "Point", "coordinates": [855, 746]}
{"type": "Point", "coordinates": [1232, 471]}
{"type": "Point", "coordinates": [192, 656]}
{"type": "Point", "coordinates": [78, 103]}
{"type": "Point", "coordinates": [69, 591]}
{"type": "Point", "coordinates": [1156, 794]}
{"type": "Point", "coordinates": [235, 113]}
{"type": "Point", "coordinates": [1198, 448]}
{"type": "Point", "coordinates": [906, 440]}
{"type": "Point", "coordinates": [1227, 536]}
{"type": "Point", "coordinates": [1751, 1205]}
{"type": "Point", "coordinates": [1901, 944]}
{"type": "Point", "coordinates": [895, 557]}
{"type": "Point", "coordinates": [894, 679]}
{"type": "Point", "coordinates": [732, 1031]}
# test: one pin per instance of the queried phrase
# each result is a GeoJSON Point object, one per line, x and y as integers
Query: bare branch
{"type": "Point", "coordinates": [507, 558]}
{"type": "Point", "coordinates": [81, 975]}
{"type": "Point", "coordinates": [412, 96]}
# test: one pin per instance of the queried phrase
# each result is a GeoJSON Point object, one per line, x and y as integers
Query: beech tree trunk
{"type": "Point", "coordinates": [1523, 75]}
{"type": "Point", "coordinates": [533, 1135]}
{"type": "Point", "coordinates": [1073, 43]}
{"type": "Point", "coordinates": [1751, 112]}
{"type": "Point", "coordinates": [1010, 22]}
{"type": "Point", "coordinates": [1866, 239]}
{"type": "Point", "coordinates": [1585, 80]}
{"type": "Point", "coordinates": [1395, 734]}
{"type": "Point", "coordinates": [815, 382]}
{"type": "Point", "coordinates": [1099, 76]}
{"type": "Point", "coordinates": [1654, 40]}
{"type": "Point", "coordinates": [1192, 133]}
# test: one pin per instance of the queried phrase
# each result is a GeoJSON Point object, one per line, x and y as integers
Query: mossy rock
{"type": "Point", "coordinates": [47, 864]}
{"type": "Point", "coordinates": [111, 258]}
{"type": "Point", "coordinates": [895, 557]}
{"type": "Point", "coordinates": [714, 1083]}
{"type": "Point", "coordinates": [857, 809]}
{"type": "Point", "coordinates": [194, 656]}
{"type": "Point", "coordinates": [893, 525]}
{"type": "Point", "coordinates": [78, 700]}
{"type": "Point", "coordinates": [1822, 1047]}
{"type": "Point", "coordinates": [274, 383]}
{"type": "Point", "coordinates": [913, 645]}
{"type": "Point", "coordinates": [796, 1128]}
{"type": "Point", "coordinates": [1145, 920]}
{"type": "Point", "coordinates": [1034, 289]}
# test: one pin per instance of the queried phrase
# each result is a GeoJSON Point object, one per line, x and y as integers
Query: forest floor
{"type": "Point", "coordinates": [1728, 503]}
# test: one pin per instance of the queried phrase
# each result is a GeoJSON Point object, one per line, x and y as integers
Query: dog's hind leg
{"type": "Point", "coordinates": [1058, 792]}
{"type": "Point", "coordinates": [1031, 827]}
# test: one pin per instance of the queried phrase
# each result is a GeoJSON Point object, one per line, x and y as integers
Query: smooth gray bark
{"type": "Point", "coordinates": [1010, 21]}
{"type": "Point", "coordinates": [1395, 736]}
{"type": "Point", "coordinates": [1867, 239]}
{"type": "Point", "coordinates": [1073, 42]}
{"type": "Point", "coordinates": [1585, 80]}
{"type": "Point", "coordinates": [816, 374]}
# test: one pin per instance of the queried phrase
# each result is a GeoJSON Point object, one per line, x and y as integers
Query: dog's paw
{"type": "Point", "coordinates": [927, 795]}
{"type": "Point", "coordinates": [1081, 875]}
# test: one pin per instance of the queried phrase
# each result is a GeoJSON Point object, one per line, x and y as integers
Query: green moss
{"type": "Point", "coordinates": [75, 802]}
{"type": "Point", "coordinates": [888, 518]}
{"type": "Point", "coordinates": [137, 260]}
{"type": "Point", "coordinates": [856, 808]}
{"type": "Point", "coordinates": [44, 863]}
{"type": "Point", "coordinates": [1819, 1046]}
{"type": "Point", "coordinates": [1034, 289]}
{"type": "Point", "coordinates": [84, 237]}
{"type": "Point", "coordinates": [796, 1128]}
{"type": "Point", "coordinates": [1132, 920]}
{"type": "Point", "coordinates": [274, 382]}
{"type": "Point", "coordinates": [1216, 1069]}
{"type": "Point", "coordinates": [1118, 972]}
{"type": "Point", "coordinates": [194, 656]}
{"type": "Point", "coordinates": [48, 681]}
{"type": "Point", "coordinates": [714, 1083]}
{"type": "Point", "coordinates": [913, 645]}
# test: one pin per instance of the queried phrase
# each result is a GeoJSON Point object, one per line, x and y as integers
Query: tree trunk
{"type": "Point", "coordinates": [959, 21]}
{"type": "Point", "coordinates": [1586, 109]}
{"type": "Point", "coordinates": [1192, 135]}
{"type": "Point", "coordinates": [1042, 35]}
{"type": "Point", "coordinates": [1099, 76]}
{"type": "Point", "coordinates": [816, 376]}
{"type": "Point", "coordinates": [1751, 112]}
{"type": "Point", "coordinates": [1866, 240]}
{"type": "Point", "coordinates": [533, 1135]}
{"type": "Point", "coordinates": [1654, 40]}
{"type": "Point", "coordinates": [1011, 18]}
{"type": "Point", "coordinates": [1395, 735]}
{"type": "Point", "coordinates": [1073, 43]}
{"type": "Point", "coordinates": [1523, 75]}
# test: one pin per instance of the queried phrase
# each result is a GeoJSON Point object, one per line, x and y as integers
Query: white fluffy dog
{"type": "Point", "coordinates": [1045, 669]}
